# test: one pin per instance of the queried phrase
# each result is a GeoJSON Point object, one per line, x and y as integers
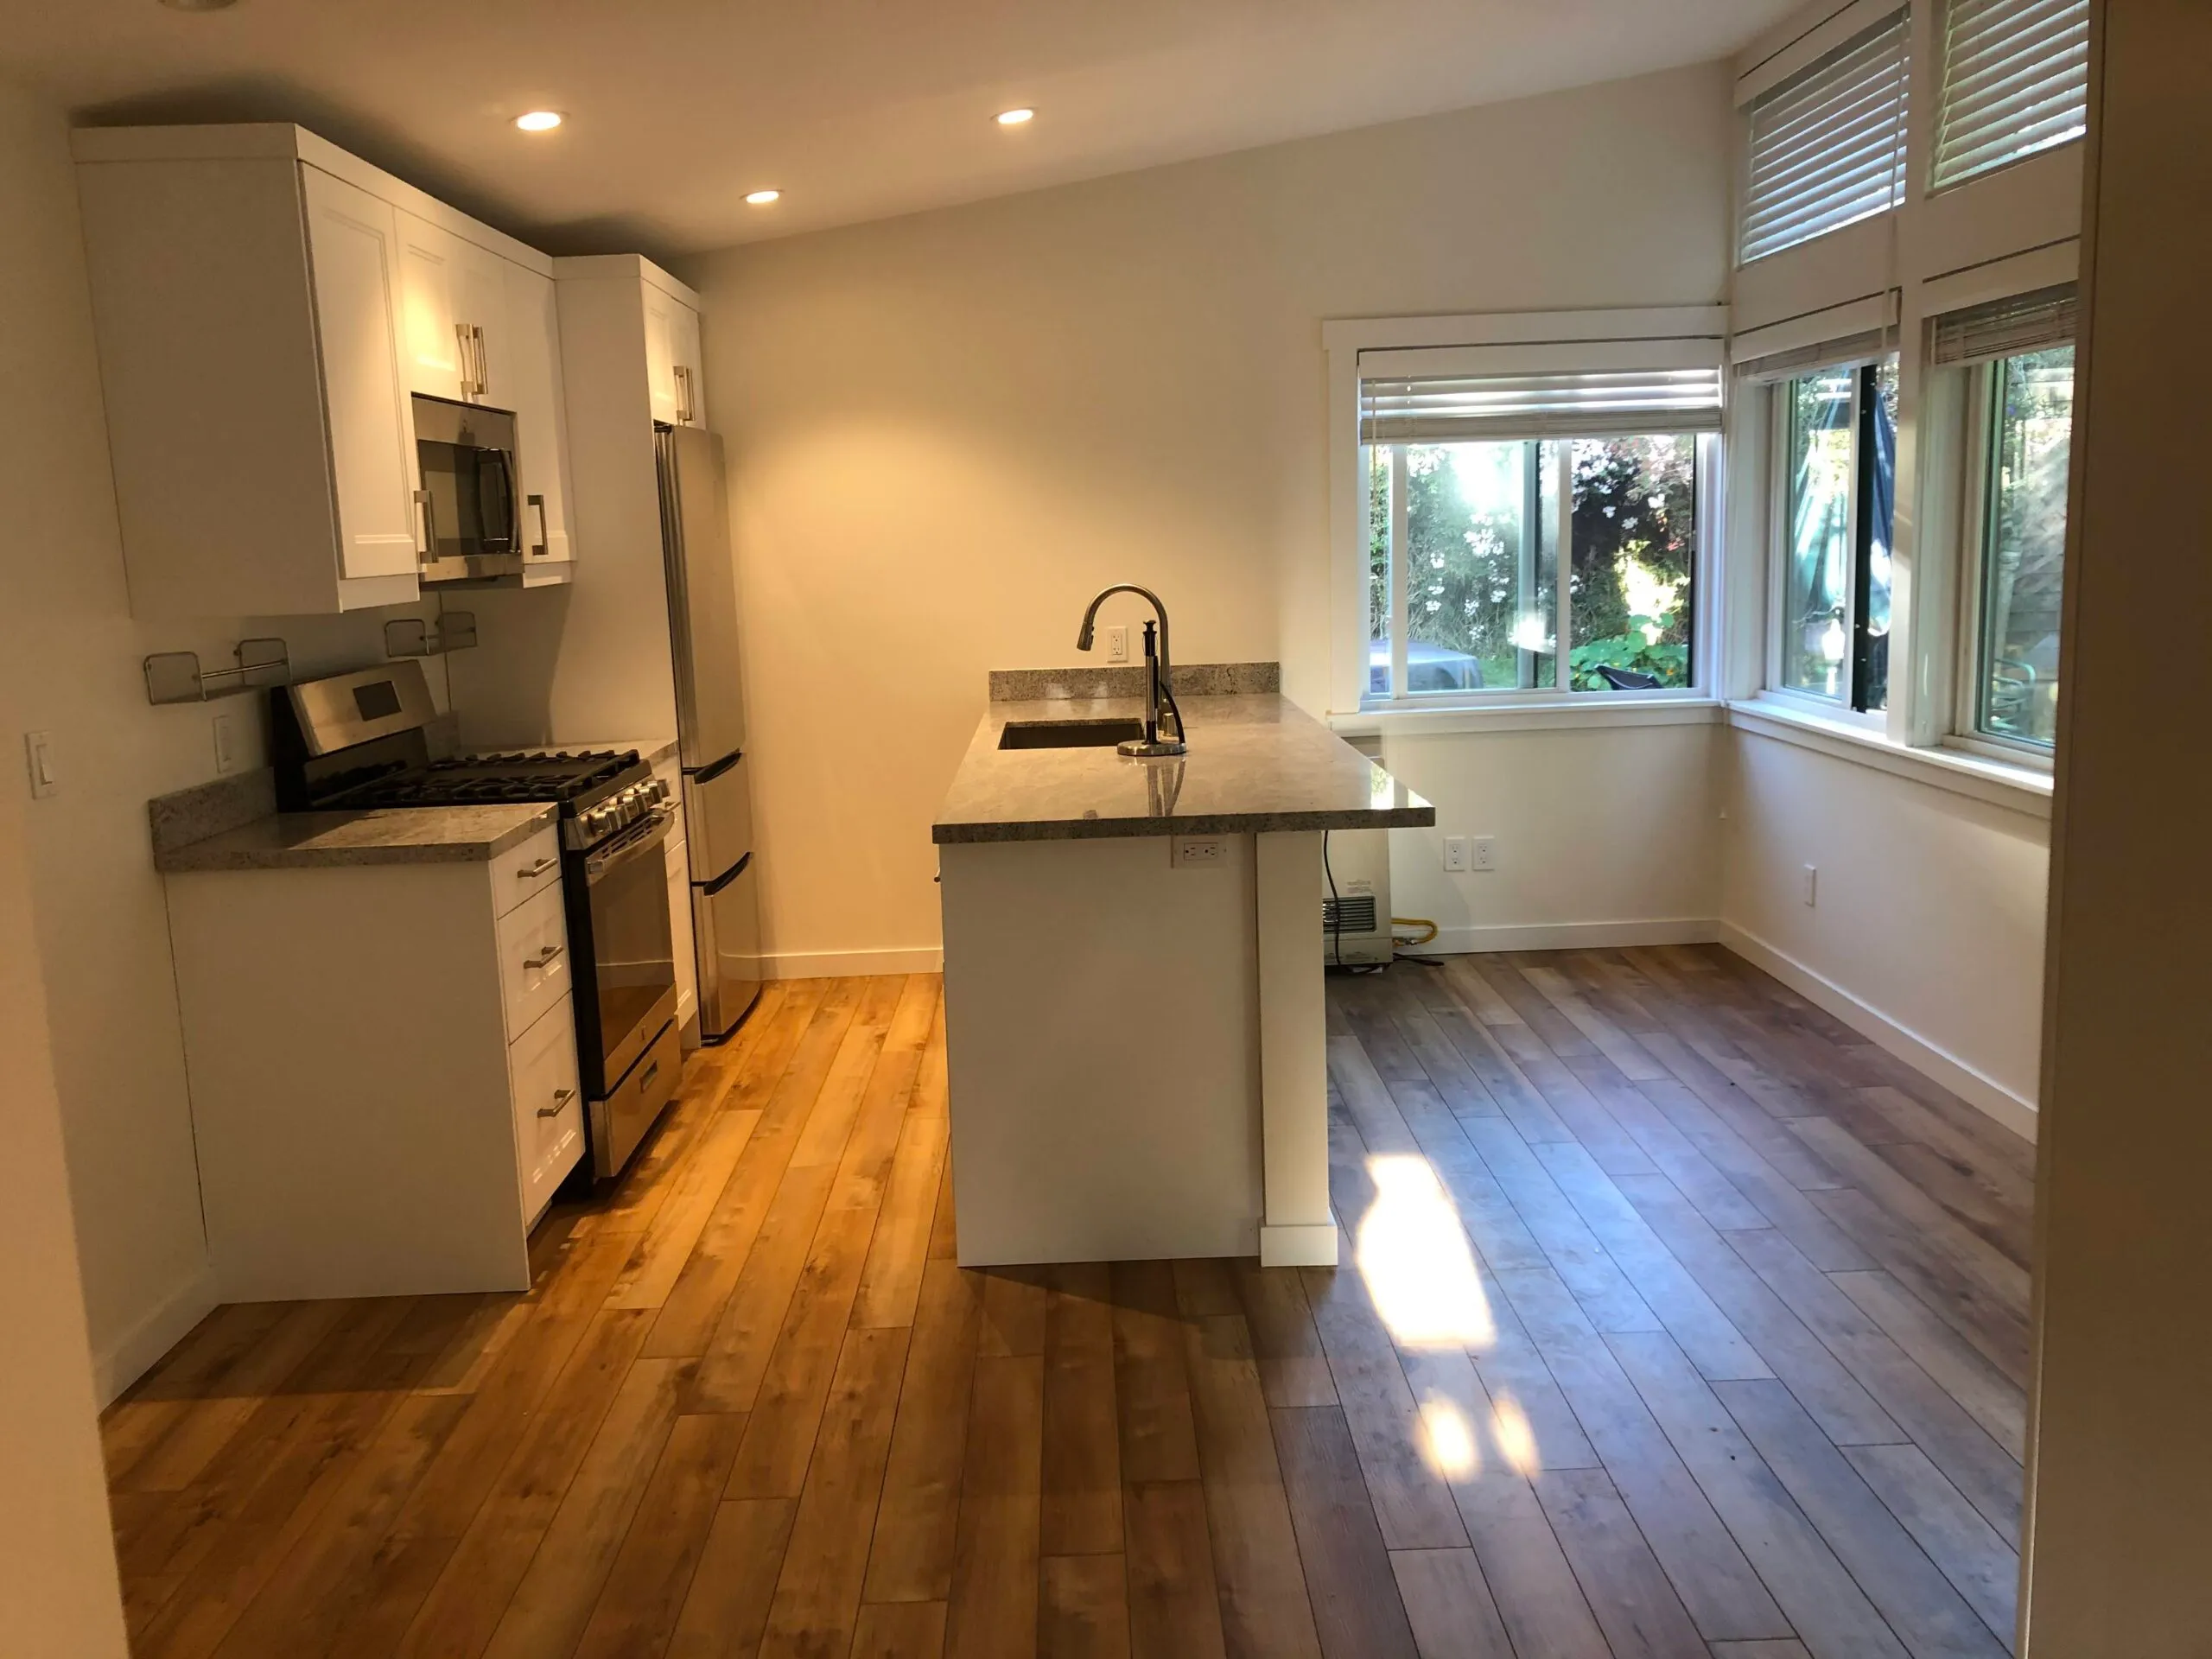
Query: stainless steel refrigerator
{"type": "Point", "coordinates": [710, 727]}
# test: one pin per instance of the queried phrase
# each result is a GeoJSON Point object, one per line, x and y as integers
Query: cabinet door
{"type": "Point", "coordinates": [660, 354]}
{"type": "Point", "coordinates": [689, 367]}
{"type": "Point", "coordinates": [547, 1105]}
{"type": "Point", "coordinates": [430, 286]}
{"type": "Point", "coordinates": [531, 371]}
{"type": "Point", "coordinates": [353, 240]}
{"type": "Point", "coordinates": [481, 308]}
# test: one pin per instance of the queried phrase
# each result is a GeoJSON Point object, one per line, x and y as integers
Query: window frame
{"type": "Point", "coordinates": [1573, 341]}
{"type": "Point", "coordinates": [1777, 541]}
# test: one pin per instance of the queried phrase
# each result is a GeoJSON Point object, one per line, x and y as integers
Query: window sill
{"type": "Point", "coordinates": [1530, 714]}
{"type": "Point", "coordinates": [2020, 789]}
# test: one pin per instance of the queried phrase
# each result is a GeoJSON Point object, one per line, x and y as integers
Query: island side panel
{"type": "Point", "coordinates": [347, 1063]}
{"type": "Point", "coordinates": [1299, 1231]}
{"type": "Point", "coordinates": [1101, 1026]}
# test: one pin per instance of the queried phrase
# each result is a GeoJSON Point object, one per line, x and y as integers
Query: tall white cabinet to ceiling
{"type": "Point", "coordinates": [266, 305]}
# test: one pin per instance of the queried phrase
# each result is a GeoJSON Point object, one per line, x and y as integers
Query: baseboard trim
{"type": "Point", "coordinates": [1309, 1244]}
{"type": "Point", "coordinates": [1978, 1088]}
{"type": "Point", "coordinates": [133, 1354]}
{"type": "Point", "coordinates": [1569, 936]}
{"type": "Point", "coordinates": [843, 964]}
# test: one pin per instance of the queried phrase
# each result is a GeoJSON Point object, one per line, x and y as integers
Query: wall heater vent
{"type": "Point", "coordinates": [1356, 921]}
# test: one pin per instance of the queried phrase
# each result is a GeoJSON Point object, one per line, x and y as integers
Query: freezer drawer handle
{"type": "Point", "coordinates": [543, 959]}
{"type": "Point", "coordinates": [561, 1099]}
{"type": "Point", "coordinates": [709, 773]}
{"type": "Point", "coordinates": [537, 869]}
{"type": "Point", "coordinates": [711, 889]}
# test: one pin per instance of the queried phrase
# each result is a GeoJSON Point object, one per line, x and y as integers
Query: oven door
{"type": "Point", "coordinates": [633, 952]}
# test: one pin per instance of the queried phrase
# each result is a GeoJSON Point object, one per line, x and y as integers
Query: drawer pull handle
{"type": "Point", "coordinates": [543, 959]}
{"type": "Point", "coordinates": [537, 870]}
{"type": "Point", "coordinates": [561, 1099]}
{"type": "Point", "coordinates": [648, 1075]}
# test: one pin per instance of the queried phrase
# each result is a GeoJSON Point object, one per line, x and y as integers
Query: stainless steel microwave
{"type": "Point", "coordinates": [470, 519]}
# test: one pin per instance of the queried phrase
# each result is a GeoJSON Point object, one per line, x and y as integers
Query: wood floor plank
{"type": "Point", "coordinates": [727, 1607]}
{"type": "Point", "coordinates": [891, 1279]}
{"type": "Point", "coordinates": [818, 1593]}
{"type": "Point", "coordinates": [1083, 1608]}
{"type": "Point", "coordinates": [1994, 1400]}
{"type": "Point", "coordinates": [1157, 1435]}
{"type": "Point", "coordinates": [695, 1189]}
{"type": "Point", "coordinates": [1897, 1575]}
{"type": "Point", "coordinates": [1264, 1611]}
{"type": "Point", "coordinates": [911, 1556]}
{"type": "Point", "coordinates": [1448, 1604]}
{"type": "Point", "coordinates": [736, 1359]}
{"type": "Point", "coordinates": [1676, 1512]}
{"type": "Point", "coordinates": [899, 1630]}
{"type": "Point", "coordinates": [1636, 1606]}
{"type": "Point", "coordinates": [1294, 1369]}
{"type": "Point", "coordinates": [235, 1392]}
{"type": "Point", "coordinates": [1082, 1465]}
{"type": "Point", "coordinates": [1356, 1612]}
{"type": "Point", "coordinates": [992, 1611]}
{"type": "Point", "coordinates": [1174, 1604]}
{"type": "Point", "coordinates": [1980, 1566]}
{"type": "Point", "coordinates": [644, 1595]}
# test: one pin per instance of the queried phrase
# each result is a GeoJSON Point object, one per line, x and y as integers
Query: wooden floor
{"type": "Point", "coordinates": [1673, 1319]}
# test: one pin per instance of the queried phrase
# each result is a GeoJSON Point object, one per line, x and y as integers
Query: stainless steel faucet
{"type": "Point", "coordinates": [1163, 719]}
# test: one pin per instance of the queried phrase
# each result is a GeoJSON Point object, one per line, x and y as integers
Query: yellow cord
{"type": "Point", "coordinates": [1413, 921]}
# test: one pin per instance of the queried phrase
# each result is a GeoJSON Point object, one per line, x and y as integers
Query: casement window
{"type": "Point", "coordinates": [2015, 81]}
{"type": "Point", "coordinates": [2020, 354]}
{"type": "Point", "coordinates": [1834, 496]}
{"type": "Point", "coordinates": [1825, 147]}
{"type": "Point", "coordinates": [1531, 529]}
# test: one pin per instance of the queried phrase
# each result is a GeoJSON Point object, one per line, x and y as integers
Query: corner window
{"type": "Point", "coordinates": [1838, 493]}
{"type": "Point", "coordinates": [2015, 82]}
{"type": "Point", "coordinates": [2023, 553]}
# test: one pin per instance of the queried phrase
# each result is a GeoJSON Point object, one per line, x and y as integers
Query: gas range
{"type": "Point", "coordinates": [599, 791]}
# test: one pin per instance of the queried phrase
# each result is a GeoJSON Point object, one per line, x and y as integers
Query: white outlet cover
{"type": "Point", "coordinates": [227, 743]}
{"type": "Point", "coordinates": [38, 754]}
{"type": "Point", "coordinates": [1200, 852]}
{"type": "Point", "coordinates": [1458, 855]}
{"type": "Point", "coordinates": [1812, 886]}
{"type": "Point", "coordinates": [1117, 642]}
{"type": "Point", "coordinates": [1485, 853]}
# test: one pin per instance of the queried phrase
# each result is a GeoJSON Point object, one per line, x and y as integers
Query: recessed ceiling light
{"type": "Point", "coordinates": [1014, 118]}
{"type": "Point", "coordinates": [762, 198]}
{"type": "Point", "coordinates": [539, 120]}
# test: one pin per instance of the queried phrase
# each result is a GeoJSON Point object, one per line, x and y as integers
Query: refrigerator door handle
{"type": "Point", "coordinates": [714, 769]}
{"type": "Point", "coordinates": [711, 888]}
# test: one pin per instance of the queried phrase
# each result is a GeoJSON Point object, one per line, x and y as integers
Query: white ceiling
{"type": "Point", "coordinates": [856, 108]}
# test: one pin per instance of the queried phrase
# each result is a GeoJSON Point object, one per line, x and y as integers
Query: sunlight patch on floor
{"type": "Point", "coordinates": [1419, 1268]}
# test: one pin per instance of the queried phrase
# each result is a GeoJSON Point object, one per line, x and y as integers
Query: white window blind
{"type": "Point", "coordinates": [1982, 333]}
{"type": "Point", "coordinates": [1827, 147]}
{"type": "Point", "coordinates": [2016, 76]}
{"type": "Point", "coordinates": [1469, 408]}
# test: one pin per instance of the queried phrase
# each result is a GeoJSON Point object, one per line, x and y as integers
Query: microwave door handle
{"type": "Point", "coordinates": [495, 461]}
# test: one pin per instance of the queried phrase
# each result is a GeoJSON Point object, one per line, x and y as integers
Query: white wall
{"type": "Point", "coordinates": [1928, 930]}
{"type": "Point", "coordinates": [74, 653]}
{"type": "Point", "coordinates": [947, 431]}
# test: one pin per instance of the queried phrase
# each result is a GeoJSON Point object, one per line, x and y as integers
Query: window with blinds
{"type": "Point", "coordinates": [1826, 148]}
{"type": "Point", "coordinates": [2016, 75]}
{"type": "Point", "coordinates": [2008, 327]}
{"type": "Point", "coordinates": [1480, 408]}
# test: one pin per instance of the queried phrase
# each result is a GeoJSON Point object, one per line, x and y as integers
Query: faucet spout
{"type": "Point", "coordinates": [1161, 711]}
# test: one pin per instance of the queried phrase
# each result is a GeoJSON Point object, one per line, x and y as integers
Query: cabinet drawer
{"type": "Point", "coordinates": [533, 960]}
{"type": "Point", "coordinates": [525, 872]}
{"type": "Point", "coordinates": [548, 1105]}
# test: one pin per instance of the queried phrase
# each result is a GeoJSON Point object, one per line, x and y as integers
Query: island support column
{"type": "Point", "coordinates": [1299, 1230]}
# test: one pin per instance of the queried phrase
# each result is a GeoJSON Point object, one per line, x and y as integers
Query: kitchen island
{"type": "Point", "coordinates": [1133, 948]}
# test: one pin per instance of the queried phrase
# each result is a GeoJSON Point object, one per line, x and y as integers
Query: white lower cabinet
{"type": "Point", "coordinates": [383, 1068]}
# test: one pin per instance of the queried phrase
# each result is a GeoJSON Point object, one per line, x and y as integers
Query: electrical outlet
{"type": "Point", "coordinates": [1457, 857]}
{"type": "Point", "coordinates": [227, 743]}
{"type": "Point", "coordinates": [1812, 886]}
{"type": "Point", "coordinates": [1197, 851]}
{"type": "Point", "coordinates": [1485, 852]}
{"type": "Point", "coordinates": [1117, 642]}
{"type": "Point", "coordinates": [38, 753]}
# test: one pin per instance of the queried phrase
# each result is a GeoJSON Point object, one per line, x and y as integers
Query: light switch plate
{"type": "Point", "coordinates": [227, 743]}
{"type": "Point", "coordinates": [1812, 886]}
{"type": "Point", "coordinates": [38, 754]}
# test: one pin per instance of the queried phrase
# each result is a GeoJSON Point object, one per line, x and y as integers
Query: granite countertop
{"type": "Point", "coordinates": [1256, 763]}
{"type": "Point", "coordinates": [412, 835]}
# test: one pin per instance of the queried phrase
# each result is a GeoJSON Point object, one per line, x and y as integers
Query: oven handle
{"type": "Point", "coordinates": [633, 844]}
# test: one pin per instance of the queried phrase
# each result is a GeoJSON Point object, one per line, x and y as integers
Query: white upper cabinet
{"type": "Point", "coordinates": [264, 305]}
{"type": "Point", "coordinates": [352, 244]}
{"type": "Point", "coordinates": [672, 361]}
{"type": "Point", "coordinates": [532, 374]}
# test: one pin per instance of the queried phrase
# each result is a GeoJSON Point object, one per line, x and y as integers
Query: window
{"type": "Point", "coordinates": [1826, 147]}
{"type": "Point", "coordinates": [2015, 82]}
{"type": "Point", "coordinates": [2023, 547]}
{"type": "Point", "coordinates": [1836, 492]}
{"type": "Point", "coordinates": [1481, 490]}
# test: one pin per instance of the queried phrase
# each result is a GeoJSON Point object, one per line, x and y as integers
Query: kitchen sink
{"type": "Point", "coordinates": [1068, 734]}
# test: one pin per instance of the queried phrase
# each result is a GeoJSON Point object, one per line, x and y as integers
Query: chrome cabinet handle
{"type": "Point", "coordinates": [483, 362]}
{"type": "Point", "coordinates": [466, 366]}
{"type": "Point", "coordinates": [537, 870]}
{"type": "Point", "coordinates": [543, 959]}
{"type": "Point", "coordinates": [561, 1099]}
{"type": "Point", "coordinates": [683, 395]}
{"type": "Point", "coordinates": [429, 551]}
{"type": "Point", "coordinates": [544, 540]}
